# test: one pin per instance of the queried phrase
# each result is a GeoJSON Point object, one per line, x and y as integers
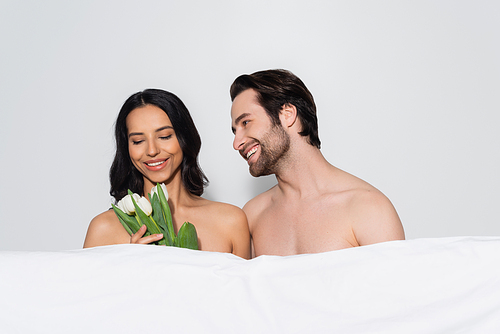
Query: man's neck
{"type": "Point", "coordinates": [304, 171]}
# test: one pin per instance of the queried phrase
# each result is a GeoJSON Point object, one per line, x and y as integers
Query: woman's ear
{"type": "Point", "coordinates": [288, 115]}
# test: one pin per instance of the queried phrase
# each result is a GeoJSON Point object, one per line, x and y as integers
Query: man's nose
{"type": "Point", "coordinates": [238, 141]}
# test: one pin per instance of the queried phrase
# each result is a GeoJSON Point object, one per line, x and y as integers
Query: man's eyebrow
{"type": "Point", "coordinates": [238, 119]}
{"type": "Point", "coordinates": [157, 130]}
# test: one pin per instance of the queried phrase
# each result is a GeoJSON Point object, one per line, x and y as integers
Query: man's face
{"type": "Point", "coordinates": [260, 143]}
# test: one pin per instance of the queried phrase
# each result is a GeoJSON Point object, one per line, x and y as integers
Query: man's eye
{"type": "Point", "coordinates": [245, 123]}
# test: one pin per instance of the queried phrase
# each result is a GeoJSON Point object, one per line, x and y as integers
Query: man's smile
{"type": "Point", "coordinates": [248, 153]}
{"type": "Point", "coordinates": [251, 152]}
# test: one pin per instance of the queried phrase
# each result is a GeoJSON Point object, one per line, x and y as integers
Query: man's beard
{"type": "Point", "coordinates": [273, 147]}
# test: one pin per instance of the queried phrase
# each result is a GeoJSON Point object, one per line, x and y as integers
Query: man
{"type": "Point", "coordinates": [315, 207]}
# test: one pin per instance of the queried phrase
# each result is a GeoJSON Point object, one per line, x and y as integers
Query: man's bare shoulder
{"type": "Point", "coordinates": [259, 203]}
{"type": "Point", "coordinates": [374, 218]}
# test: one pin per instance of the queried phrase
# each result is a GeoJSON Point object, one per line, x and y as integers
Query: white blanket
{"type": "Point", "coordinates": [445, 285]}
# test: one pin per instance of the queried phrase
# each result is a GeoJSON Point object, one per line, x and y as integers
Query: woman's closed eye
{"type": "Point", "coordinates": [166, 137]}
{"type": "Point", "coordinates": [136, 142]}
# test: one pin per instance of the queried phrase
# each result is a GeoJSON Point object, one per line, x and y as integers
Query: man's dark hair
{"type": "Point", "coordinates": [277, 88]}
{"type": "Point", "coordinates": [124, 175]}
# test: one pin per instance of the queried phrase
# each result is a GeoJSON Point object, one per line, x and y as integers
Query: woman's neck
{"type": "Point", "coordinates": [177, 193]}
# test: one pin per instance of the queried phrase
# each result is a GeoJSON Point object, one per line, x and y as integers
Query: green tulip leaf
{"type": "Point", "coordinates": [166, 212]}
{"type": "Point", "coordinates": [159, 217]}
{"type": "Point", "coordinates": [187, 236]}
{"type": "Point", "coordinates": [129, 222]}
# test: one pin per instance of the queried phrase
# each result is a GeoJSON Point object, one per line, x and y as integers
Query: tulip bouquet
{"type": "Point", "coordinates": [133, 211]}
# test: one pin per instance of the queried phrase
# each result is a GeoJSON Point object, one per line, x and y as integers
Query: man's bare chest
{"type": "Point", "coordinates": [299, 228]}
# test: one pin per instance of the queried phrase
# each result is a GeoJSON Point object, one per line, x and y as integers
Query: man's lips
{"type": "Point", "coordinates": [248, 153]}
{"type": "Point", "coordinates": [251, 152]}
{"type": "Point", "coordinates": [156, 164]}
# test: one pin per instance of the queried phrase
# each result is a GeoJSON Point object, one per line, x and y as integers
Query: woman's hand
{"type": "Point", "coordinates": [138, 239]}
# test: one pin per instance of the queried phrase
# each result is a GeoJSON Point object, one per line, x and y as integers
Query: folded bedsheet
{"type": "Point", "coordinates": [441, 285]}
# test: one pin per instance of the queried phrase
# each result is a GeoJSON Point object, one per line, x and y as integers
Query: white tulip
{"type": "Point", "coordinates": [155, 191]}
{"type": "Point", "coordinates": [126, 205]}
{"type": "Point", "coordinates": [144, 205]}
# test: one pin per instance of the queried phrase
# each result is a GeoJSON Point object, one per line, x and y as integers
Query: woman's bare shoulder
{"type": "Point", "coordinates": [224, 212]}
{"type": "Point", "coordinates": [105, 229]}
{"type": "Point", "coordinates": [231, 222]}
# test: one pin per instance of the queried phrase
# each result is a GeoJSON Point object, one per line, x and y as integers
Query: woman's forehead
{"type": "Point", "coordinates": [148, 117]}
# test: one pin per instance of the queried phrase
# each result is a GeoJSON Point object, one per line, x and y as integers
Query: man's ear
{"type": "Point", "coordinates": [288, 115]}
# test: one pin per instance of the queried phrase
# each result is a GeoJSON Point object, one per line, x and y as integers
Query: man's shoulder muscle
{"type": "Point", "coordinates": [374, 218]}
{"type": "Point", "coordinates": [257, 205]}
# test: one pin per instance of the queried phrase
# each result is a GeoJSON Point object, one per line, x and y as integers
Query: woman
{"type": "Point", "coordinates": [157, 142]}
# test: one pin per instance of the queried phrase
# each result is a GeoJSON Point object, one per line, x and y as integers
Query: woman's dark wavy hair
{"type": "Point", "coordinates": [124, 175]}
{"type": "Point", "coordinates": [276, 88]}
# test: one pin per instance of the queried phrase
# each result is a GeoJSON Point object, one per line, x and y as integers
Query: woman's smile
{"type": "Point", "coordinates": [156, 164]}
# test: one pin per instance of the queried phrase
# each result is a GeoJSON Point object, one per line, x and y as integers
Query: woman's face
{"type": "Point", "coordinates": [152, 145]}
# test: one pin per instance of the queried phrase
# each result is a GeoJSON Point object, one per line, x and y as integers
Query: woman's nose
{"type": "Point", "coordinates": [153, 149]}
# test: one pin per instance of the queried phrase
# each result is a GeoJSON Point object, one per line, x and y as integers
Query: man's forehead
{"type": "Point", "coordinates": [244, 103]}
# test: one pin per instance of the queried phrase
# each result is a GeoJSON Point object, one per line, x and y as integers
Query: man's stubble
{"type": "Point", "coordinates": [274, 145]}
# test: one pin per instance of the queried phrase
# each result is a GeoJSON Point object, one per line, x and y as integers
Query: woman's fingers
{"type": "Point", "coordinates": [138, 239]}
{"type": "Point", "coordinates": [150, 238]}
{"type": "Point", "coordinates": [134, 239]}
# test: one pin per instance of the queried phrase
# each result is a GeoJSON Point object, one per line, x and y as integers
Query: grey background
{"type": "Point", "coordinates": [407, 95]}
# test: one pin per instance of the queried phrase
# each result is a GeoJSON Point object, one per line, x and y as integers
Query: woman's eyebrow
{"type": "Point", "coordinates": [157, 130]}
{"type": "Point", "coordinates": [135, 134]}
{"type": "Point", "coordinates": [164, 128]}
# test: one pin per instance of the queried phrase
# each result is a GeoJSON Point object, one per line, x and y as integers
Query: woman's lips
{"type": "Point", "coordinates": [155, 165]}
